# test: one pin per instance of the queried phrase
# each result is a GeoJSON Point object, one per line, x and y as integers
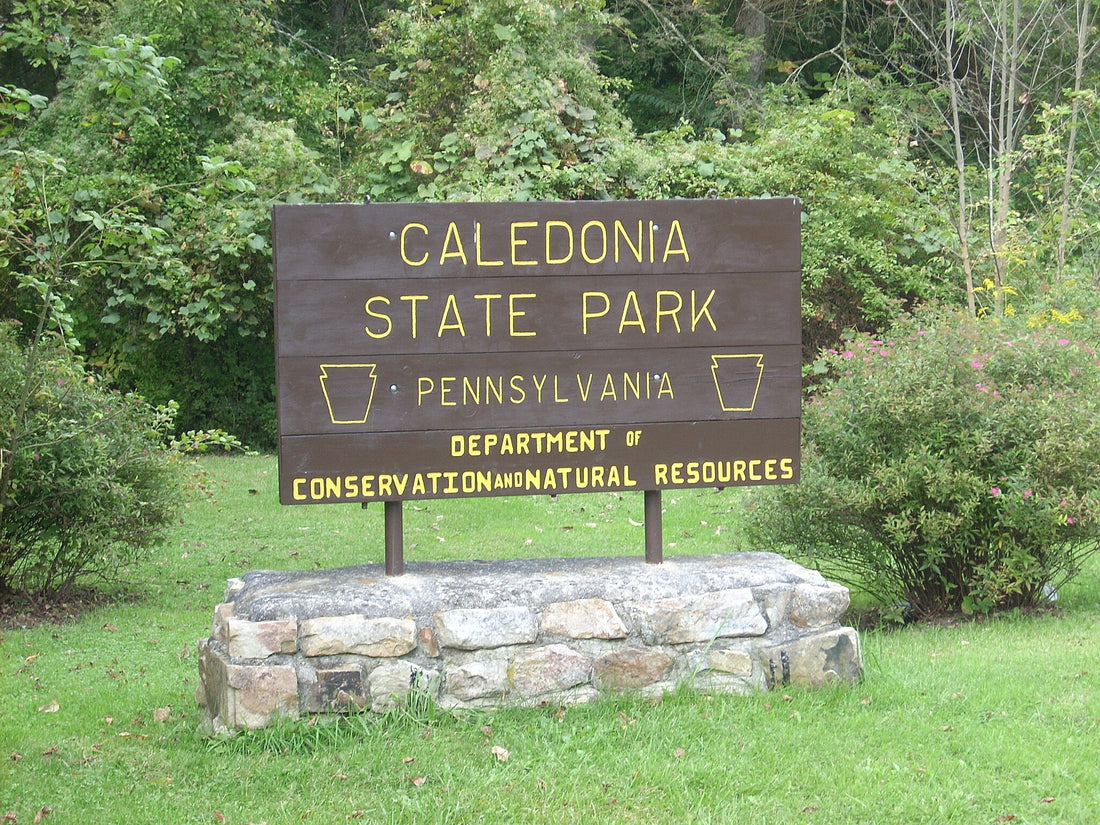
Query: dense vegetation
{"type": "Point", "coordinates": [943, 152]}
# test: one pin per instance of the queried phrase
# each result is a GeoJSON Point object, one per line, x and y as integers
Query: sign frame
{"type": "Point", "coordinates": [457, 350]}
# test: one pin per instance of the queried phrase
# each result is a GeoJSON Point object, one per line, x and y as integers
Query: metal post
{"type": "Point", "coordinates": [395, 540]}
{"type": "Point", "coordinates": [654, 549]}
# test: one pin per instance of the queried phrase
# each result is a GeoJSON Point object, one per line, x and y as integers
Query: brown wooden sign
{"type": "Point", "coordinates": [438, 350]}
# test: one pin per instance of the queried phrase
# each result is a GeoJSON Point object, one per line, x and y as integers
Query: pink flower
{"type": "Point", "coordinates": [976, 364]}
{"type": "Point", "coordinates": [1028, 494]}
{"type": "Point", "coordinates": [1063, 342]}
{"type": "Point", "coordinates": [1070, 520]}
{"type": "Point", "coordinates": [995, 491]}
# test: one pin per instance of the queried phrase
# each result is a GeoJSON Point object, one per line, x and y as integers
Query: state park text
{"type": "Point", "coordinates": [438, 350]}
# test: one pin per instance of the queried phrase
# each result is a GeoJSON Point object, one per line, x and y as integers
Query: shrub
{"type": "Point", "coordinates": [954, 466]}
{"type": "Point", "coordinates": [88, 483]}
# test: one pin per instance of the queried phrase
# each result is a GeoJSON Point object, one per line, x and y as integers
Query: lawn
{"type": "Point", "coordinates": [985, 722]}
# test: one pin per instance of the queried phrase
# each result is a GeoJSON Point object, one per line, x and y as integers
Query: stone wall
{"type": "Point", "coordinates": [484, 634]}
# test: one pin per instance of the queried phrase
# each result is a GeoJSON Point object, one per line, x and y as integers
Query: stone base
{"type": "Point", "coordinates": [485, 634]}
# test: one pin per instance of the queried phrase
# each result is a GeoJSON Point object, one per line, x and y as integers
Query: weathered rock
{"type": "Point", "coordinates": [393, 682]}
{"type": "Point", "coordinates": [246, 696]}
{"type": "Point", "coordinates": [701, 618]}
{"type": "Point", "coordinates": [583, 619]}
{"type": "Point", "coordinates": [631, 668]}
{"type": "Point", "coordinates": [385, 637]}
{"type": "Point", "coordinates": [814, 661]}
{"type": "Point", "coordinates": [259, 640]}
{"type": "Point", "coordinates": [818, 605]}
{"type": "Point", "coordinates": [486, 628]}
{"type": "Point", "coordinates": [479, 679]}
{"type": "Point", "coordinates": [548, 669]}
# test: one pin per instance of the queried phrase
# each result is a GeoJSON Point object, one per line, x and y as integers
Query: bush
{"type": "Point", "coordinates": [955, 466]}
{"type": "Point", "coordinates": [88, 483]}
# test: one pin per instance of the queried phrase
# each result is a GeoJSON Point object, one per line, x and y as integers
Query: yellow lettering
{"type": "Point", "coordinates": [550, 226]}
{"type": "Point", "coordinates": [675, 231]}
{"type": "Point", "coordinates": [298, 494]}
{"type": "Point", "coordinates": [446, 388]}
{"type": "Point", "coordinates": [637, 321]}
{"type": "Point", "coordinates": [514, 313]}
{"type": "Point", "coordinates": [620, 232]}
{"type": "Point", "coordinates": [697, 313]}
{"type": "Point", "coordinates": [458, 251]}
{"type": "Point", "coordinates": [424, 387]}
{"type": "Point", "coordinates": [673, 311]}
{"type": "Point", "coordinates": [413, 300]}
{"type": "Point", "coordinates": [449, 308]}
{"type": "Point", "coordinates": [488, 298]}
{"type": "Point", "coordinates": [517, 242]}
{"type": "Point", "coordinates": [404, 250]}
{"type": "Point", "coordinates": [477, 249]}
{"type": "Point", "coordinates": [587, 313]}
{"type": "Point", "coordinates": [380, 315]}
{"type": "Point", "coordinates": [602, 238]}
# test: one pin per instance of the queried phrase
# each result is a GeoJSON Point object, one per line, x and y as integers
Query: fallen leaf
{"type": "Point", "coordinates": [1006, 818]}
{"type": "Point", "coordinates": [1046, 800]}
{"type": "Point", "coordinates": [408, 760]}
{"type": "Point", "coordinates": [678, 752]}
{"type": "Point", "coordinates": [419, 780]}
{"type": "Point", "coordinates": [540, 783]}
{"type": "Point", "coordinates": [110, 628]}
{"type": "Point", "coordinates": [16, 756]}
{"type": "Point", "coordinates": [110, 720]}
{"type": "Point", "coordinates": [43, 812]}
{"type": "Point", "coordinates": [220, 817]}
{"type": "Point", "coordinates": [866, 700]}
{"type": "Point", "coordinates": [30, 660]}
{"type": "Point", "coordinates": [11, 817]}
{"type": "Point", "coordinates": [488, 731]}
{"type": "Point", "coordinates": [51, 751]}
{"type": "Point", "coordinates": [52, 707]}
{"type": "Point", "coordinates": [502, 754]}
{"type": "Point", "coordinates": [162, 714]}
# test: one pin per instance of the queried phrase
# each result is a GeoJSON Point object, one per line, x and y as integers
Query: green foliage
{"type": "Point", "coordinates": [490, 99]}
{"type": "Point", "coordinates": [954, 465]}
{"type": "Point", "coordinates": [872, 240]}
{"type": "Point", "coordinates": [88, 484]}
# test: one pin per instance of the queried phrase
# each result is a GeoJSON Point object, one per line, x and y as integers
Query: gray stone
{"type": "Point", "coordinates": [685, 619]}
{"type": "Point", "coordinates": [818, 605]}
{"type": "Point", "coordinates": [734, 662]}
{"type": "Point", "coordinates": [219, 629]}
{"type": "Point", "coordinates": [583, 619]}
{"type": "Point", "coordinates": [380, 638]}
{"type": "Point", "coordinates": [246, 696]}
{"type": "Point", "coordinates": [485, 628]}
{"type": "Point", "coordinates": [259, 640]}
{"type": "Point", "coordinates": [814, 660]}
{"type": "Point", "coordinates": [392, 683]}
{"type": "Point", "coordinates": [548, 669]}
{"type": "Point", "coordinates": [631, 668]}
{"type": "Point", "coordinates": [476, 680]}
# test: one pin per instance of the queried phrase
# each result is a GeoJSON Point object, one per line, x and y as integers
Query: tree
{"type": "Point", "coordinates": [984, 67]}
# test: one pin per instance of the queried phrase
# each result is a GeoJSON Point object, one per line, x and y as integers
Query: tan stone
{"type": "Point", "coordinates": [381, 638]}
{"type": "Point", "coordinates": [631, 668]}
{"type": "Point", "coordinates": [818, 605]}
{"type": "Point", "coordinates": [583, 619]}
{"type": "Point", "coordinates": [219, 630]}
{"type": "Point", "coordinates": [548, 669]}
{"type": "Point", "coordinates": [259, 640]}
{"type": "Point", "coordinates": [734, 662]}
{"type": "Point", "coordinates": [720, 613]}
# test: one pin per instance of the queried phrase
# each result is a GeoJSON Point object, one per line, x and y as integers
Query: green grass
{"type": "Point", "coordinates": [952, 724]}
